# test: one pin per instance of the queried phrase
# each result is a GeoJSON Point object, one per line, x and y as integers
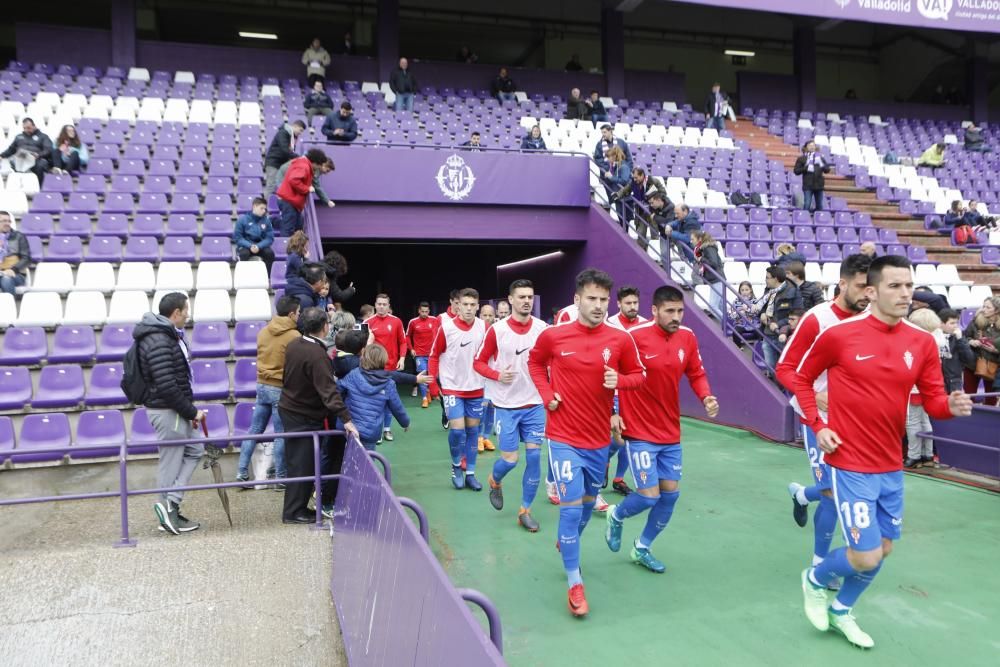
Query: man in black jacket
{"type": "Point", "coordinates": [811, 166]}
{"type": "Point", "coordinates": [716, 108]}
{"type": "Point", "coordinates": [780, 300]}
{"type": "Point", "coordinates": [811, 293]}
{"type": "Point", "coordinates": [959, 355]}
{"type": "Point", "coordinates": [279, 152]}
{"type": "Point", "coordinates": [503, 86]}
{"type": "Point", "coordinates": [576, 108]}
{"type": "Point", "coordinates": [164, 362]}
{"type": "Point", "coordinates": [32, 147]}
{"type": "Point", "coordinates": [15, 255]}
{"type": "Point", "coordinates": [309, 399]}
{"type": "Point", "coordinates": [404, 85]}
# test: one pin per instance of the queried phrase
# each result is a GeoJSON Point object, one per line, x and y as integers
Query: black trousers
{"type": "Point", "coordinates": [66, 163]}
{"type": "Point", "coordinates": [266, 254]}
{"type": "Point", "coordinates": [299, 462]}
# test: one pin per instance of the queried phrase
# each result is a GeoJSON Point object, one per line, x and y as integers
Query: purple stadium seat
{"type": "Point", "coordinates": [152, 202]}
{"type": "Point", "coordinates": [210, 339]}
{"type": "Point", "coordinates": [245, 378]}
{"type": "Point", "coordinates": [7, 436]}
{"type": "Point", "coordinates": [178, 249]}
{"type": "Point", "coordinates": [847, 235]}
{"type": "Point", "coordinates": [826, 234]}
{"type": "Point", "coordinates": [118, 202]}
{"type": "Point", "coordinates": [148, 224]}
{"type": "Point", "coordinates": [37, 224]}
{"type": "Point", "coordinates": [105, 385]}
{"type": "Point", "coordinates": [867, 234]}
{"type": "Point", "coordinates": [216, 224]}
{"type": "Point", "coordinates": [219, 185]}
{"type": "Point", "coordinates": [850, 249]}
{"type": "Point", "coordinates": [782, 233]}
{"type": "Point", "coordinates": [72, 344]}
{"type": "Point", "coordinates": [182, 224]}
{"type": "Point", "coordinates": [216, 248]}
{"type": "Point", "coordinates": [23, 346]}
{"type": "Point", "coordinates": [808, 250]}
{"type": "Point", "coordinates": [74, 224]}
{"type": "Point", "coordinates": [112, 224]}
{"type": "Point", "coordinates": [142, 249]}
{"type": "Point", "coordinates": [103, 428]}
{"type": "Point", "coordinates": [210, 379]}
{"type": "Point", "coordinates": [917, 254]}
{"type": "Point", "coordinates": [804, 233]}
{"type": "Point", "coordinates": [158, 184]}
{"type": "Point", "coordinates": [278, 270]}
{"type": "Point", "coordinates": [829, 252]}
{"type": "Point", "coordinates": [15, 388]}
{"type": "Point", "coordinates": [141, 433]}
{"type": "Point", "coordinates": [47, 202]}
{"type": "Point", "coordinates": [217, 419]}
{"type": "Point", "coordinates": [280, 247]}
{"type": "Point", "coordinates": [42, 432]}
{"type": "Point", "coordinates": [760, 252]}
{"type": "Point", "coordinates": [183, 203]}
{"type": "Point", "coordinates": [218, 203]}
{"type": "Point", "coordinates": [759, 233]}
{"type": "Point", "coordinates": [162, 167]}
{"type": "Point", "coordinates": [64, 249]}
{"type": "Point", "coordinates": [737, 250]}
{"type": "Point", "coordinates": [104, 249]}
{"type": "Point", "coordinates": [990, 255]}
{"type": "Point", "coordinates": [736, 232]}
{"type": "Point", "coordinates": [822, 218]}
{"type": "Point", "coordinates": [59, 386]}
{"type": "Point", "coordinates": [887, 236]}
{"type": "Point", "coordinates": [245, 338]}
{"type": "Point", "coordinates": [79, 202]}
{"type": "Point", "coordinates": [35, 244]}
{"type": "Point", "coordinates": [115, 341]}
{"type": "Point", "coordinates": [243, 417]}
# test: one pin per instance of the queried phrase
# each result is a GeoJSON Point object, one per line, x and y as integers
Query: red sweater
{"type": "Point", "coordinates": [388, 332]}
{"type": "Point", "coordinates": [871, 367]}
{"type": "Point", "coordinates": [652, 413]}
{"type": "Point", "coordinates": [298, 179]}
{"type": "Point", "coordinates": [569, 360]}
{"type": "Point", "coordinates": [420, 334]}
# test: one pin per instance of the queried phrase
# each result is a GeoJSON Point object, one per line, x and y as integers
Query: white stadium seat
{"type": "Point", "coordinates": [215, 275]}
{"type": "Point", "coordinates": [40, 309]}
{"type": "Point", "coordinates": [212, 305]}
{"type": "Point", "coordinates": [8, 310]}
{"type": "Point", "coordinates": [94, 276]}
{"type": "Point", "coordinates": [250, 274]}
{"type": "Point", "coordinates": [175, 276]}
{"type": "Point", "coordinates": [252, 304]}
{"type": "Point", "coordinates": [53, 277]}
{"type": "Point", "coordinates": [137, 276]}
{"type": "Point", "coordinates": [85, 307]}
{"type": "Point", "coordinates": [127, 307]}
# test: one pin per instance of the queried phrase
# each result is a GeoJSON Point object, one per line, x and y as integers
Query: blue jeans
{"type": "Point", "coordinates": [291, 219]}
{"type": "Point", "coordinates": [811, 196]}
{"type": "Point", "coordinates": [506, 97]}
{"type": "Point", "coordinates": [421, 367]}
{"type": "Point", "coordinates": [404, 102]}
{"type": "Point", "coordinates": [718, 122]}
{"type": "Point", "coordinates": [771, 352]}
{"type": "Point", "coordinates": [599, 117]}
{"type": "Point", "coordinates": [10, 285]}
{"type": "Point", "coordinates": [264, 409]}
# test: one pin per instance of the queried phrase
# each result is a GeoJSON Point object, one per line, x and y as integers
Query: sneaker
{"type": "Point", "coordinates": [496, 494]}
{"type": "Point", "coordinates": [620, 487]}
{"type": "Point", "coordinates": [814, 602]}
{"type": "Point", "coordinates": [278, 487]}
{"type": "Point", "coordinates": [167, 514]}
{"type": "Point", "coordinates": [600, 504]}
{"type": "Point", "coordinates": [911, 463]}
{"type": "Point", "coordinates": [387, 435]}
{"type": "Point", "coordinates": [480, 446]}
{"type": "Point", "coordinates": [184, 524]}
{"type": "Point", "coordinates": [577, 601]}
{"type": "Point", "coordinates": [488, 445]}
{"type": "Point", "coordinates": [613, 532]}
{"type": "Point", "coordinates": [458, 477]}
{"type": "Point", "coordinates": [552, 492]}
{"type": "Point", "coordinates": [244, 477]}
{"type": "Point", "coordinates": [424, 403]}
{"type": "Point", "coordinates": [472, 483]}
{"type": "Point", "coordinates": [643, 557]}
{"type": "Point", "coordinates": [527, 521]}
{"type": "Point", "coordinates": [847, 625]}
{"type": "Point", "coordinates": [800, 512]}
{"type": "Point", "coordinates": [327, 511]}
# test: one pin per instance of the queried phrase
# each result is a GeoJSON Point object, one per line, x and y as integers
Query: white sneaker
{"type": "Point", "coordinates": [552, 492]}
{"type": "Point", "coordinates": [847, 625]}
{"type": "Point", "coordinates": [414, 392]}
{"type": "Point", "coordinates": [600, 504]}
{"type": "Point", "coordinates": [814, 603]}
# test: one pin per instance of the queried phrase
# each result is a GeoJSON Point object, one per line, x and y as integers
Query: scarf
{"type": "Point", "coordinates": [813, 160]}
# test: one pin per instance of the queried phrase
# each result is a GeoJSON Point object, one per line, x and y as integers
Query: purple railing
{"type": "Point", "coordinates": [972, 443]}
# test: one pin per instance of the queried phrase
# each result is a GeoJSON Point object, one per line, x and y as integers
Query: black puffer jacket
{"type": "Point", "coordinates": [811, 293]}
{"type": "Point", "coordinates": [164, 367]}
{"type": "Point", "coordinates": [280, 151]}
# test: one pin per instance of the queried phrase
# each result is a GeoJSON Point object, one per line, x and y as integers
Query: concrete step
{"type": "Point", "coordinates": [942, 243]}
{"type": "Point", "coordinates": [907, 224]}
{"type": "Point", "coordinates": [939, 255]}
{"type": "Point", "coordinates": [981, 275]}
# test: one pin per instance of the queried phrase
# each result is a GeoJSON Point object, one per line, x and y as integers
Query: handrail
{"type": "Point", "coordinates": [418, 511]}
{"type": "Point", "coordinates": [492, 615]}
{"type": "Point", "coordinates": [311, 227]}
{"type": "Point", "coordinates": [480, 149]}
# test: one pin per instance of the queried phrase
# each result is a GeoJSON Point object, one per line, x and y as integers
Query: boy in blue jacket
{"type": "Point", "coordinates": [253, 234]}
{"type": "Point", "coordinates": [367, 391]}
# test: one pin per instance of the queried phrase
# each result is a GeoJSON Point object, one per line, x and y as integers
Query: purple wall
{"type": "Point", "coordinates": [982, 428]}
{"type": "Point", "coordinates": [758, 90]}
{"type": "Point", "coordinates": [395, 603]}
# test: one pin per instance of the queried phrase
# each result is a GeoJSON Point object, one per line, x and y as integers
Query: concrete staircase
{"type": "Point", "coordinates": [884, 214]}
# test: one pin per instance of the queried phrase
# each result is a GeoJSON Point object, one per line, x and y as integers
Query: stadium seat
{"type": "Point", "coordinates": [15, 388]}
{"type": "Point", "coordinates": [250, 274]}
{"type": "Point", "coordinates": [42, 431]}
{"type": "Point", "coordinates": [175, 276]}
{"type": "Point", "coordinates": [136, 276]}
{"type": "Point", "coordinates": [209, 339]}
{"type": "Point", "coordinates": [243, 419]}
{"type": "Point", "coordinates": [52, 277]}
{"type": "Point", "coordinates": [115, 341]}
{"type": "Point", "coordinates": [252, 304]}
{"type": "Point", "coordinates": [84, 307]}
{"type": "Point", "coordinates": [72, 344]}
{"type": "Point", "coordinates": [245, 378]}
{"type": "Point", "coordinates": [212, 305]}
{"type": "Point", "coordinates": [214, 276]}
{"type": "Point", "coordinates": [245, 338]}
{"type": "Point", "coordinates": [59, 386]}
{"type": "Point", "coordinates": [41, 309]}
{"type": "Point", "coordinates": [105, 385]}
{"type": "Point", "coordinates": [23, 346]}
{"type": "Point", "coordinates": [7, 437]}
{"type": "Point", "coordinates": [127, 307]}
{"type": "Point", "coordinates": [978, 294]}
{"type": "Point", "coordinates": [98, 433]}
{"type": "Point", "coordinates": [210, 379]}
{"type": "Point", "coordinates": [95, 276]}
{"type": "Point", "coordinates": [8, 310]}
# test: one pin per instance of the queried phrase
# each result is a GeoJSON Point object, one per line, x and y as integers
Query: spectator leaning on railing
{"type": "Point", "coordinates": [298, 179]}
{"type": "Point", "coordinates": [280, 151]}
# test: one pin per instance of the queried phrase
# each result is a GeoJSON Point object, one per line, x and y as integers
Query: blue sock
{"type": "Point", "coordinates": [500, 469]}
{"type": "Point", "coordinates": [471, 448]}
{"type": "Point", "coordinates": [586, 512]}
{"type": "Point", "coordinates": [486, 425]}
{"type": "Point", "coordinates": [456, 443]}
{"type": "Point", "coordinates": [834, 565]}
{"type": "Point", "coordinates": [824, 525]}
{"type": "Point", "coordinates": [634, 503]}
{"type": "Point", "coordinates": [532, 473]}
{"type": "Point", "coordinates": [854, 586]}
{"type": "Point", "coordinates": [813, 493]}
{"type": "Point", "coordinates": [569, 539]}
{"type": "Point", "coordinates": [659, 516]}
{"type": "Point", "coordinates": [622, 464]}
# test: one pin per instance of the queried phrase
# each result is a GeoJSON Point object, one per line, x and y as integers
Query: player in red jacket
{"type": "Point", "coordinates": [420, 334]}
{"type": "Point", "coordinates": [871, 361]}
{"type": "Point", "coordinates": [388, 331]}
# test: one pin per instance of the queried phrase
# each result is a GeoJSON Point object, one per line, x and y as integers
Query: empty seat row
{"type": "Point", "coordinates": [100, 276]}
{"type": "Point", "coordinates": [738, 231]}
{"type": "Point", "coordinates": [149, 202]}
{"type": "Point", "coordinates": [67, 248]}
{"type": "Point", "coordinates": [81, 225]}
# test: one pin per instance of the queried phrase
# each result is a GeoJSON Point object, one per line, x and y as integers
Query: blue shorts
{"type": "Point", "coordinates": [518, 425]}
{"type": "Point", "coordinates": [457, 407]}
{"type": "Point", "coordinates": [651, 463]}
{"type": "Point", "coordinates": [820, 470]}
{"type": "Point", "coordinates": [870, 506]}
{"type": "Point", "coordinates": [578, 472]}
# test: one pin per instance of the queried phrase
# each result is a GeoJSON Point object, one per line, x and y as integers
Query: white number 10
{"type": "Point", "coordinates": [641, 460]}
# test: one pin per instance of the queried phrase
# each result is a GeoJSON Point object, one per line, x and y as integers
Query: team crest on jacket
{"type": "Point", "coordinates": [455, 178]}
{"type": "Point", "coordinates": [606, 354]}
{"type": "Point", "coordinates": [680, 356]}
{"type": "Point", "coordinates": [908, 359]}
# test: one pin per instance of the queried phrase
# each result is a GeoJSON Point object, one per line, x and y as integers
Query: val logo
{"type": "Point", "coordinates": [455, 178]}
{"type": "Point", "coordinates": [935, 9]}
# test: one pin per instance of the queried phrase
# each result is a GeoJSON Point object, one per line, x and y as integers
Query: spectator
{"type": "Point", "coordinates": [15, 255]}
{"type": "Point", "coordinates": [788, 254]}
{"type": "Point", "coordinates": [315, 58]}
{"type": "Point", "coordinates": [924, 297]}
{"type": "Point", "coordinates": [794, 317]}
{"type": "Point", "coordinates": [680, 230]}
{"type": "Point", "coordinates": [933, 157]}
{"type": "Point", "coordinates": [811, 166]}
{"type": "Point", "coordinates": [959, 355]}
{"type": "Point", "coordinates": [336, 268]}
{"type": "Point", "coordinates": [253, 234]}
{"type": "Point", "coordinates": [280, 151]}
{"type": "Point", "coordinates": [605, 144]}
{"type": "Point", "coordinates": [744, 315]}
{"type": "Point", "coordinates": [576, 108]}
{"type": "Point", "coordinates": [617, 175]}
{"type": "Point", "coordinates": [983, 334]}
{"type": "Point", "coordinates": [974, 140]}
{"type": "Point", "coordinates": [661, 211]}
{"type": "Point", "coordinates": [473, 143]}
{"type": "Point", "coordinates": [709, 267]}
{"type": "Point", "coordinates": [404, 85]}
{"type": "Point", "coordinates": [165, 364]}
{"type": "Point", "coordinates": [70, 154]}
{"type": "Point", "coordinates": [868, 249]}
{"type": "Point", "coordinates": [920, 450]}
{"type": "Point", "coordinates": [342, 126]}
{"type": "Point", "coordinates": [31, 151]}
{"type": "Point", "coordinates": [811, 292]}
{"type": "Point", "coordinates": [467, 56]}
{"type": "Point", "coordinates": [716, 108]}
{"type": "Point", "coordinates": [978, 223]}
{"type": "Point", "coordinates": [574, 64]}
{"type": "Point", "coordinates": [298, 179]}
{"type": "Point", "coordinates": [781, 299]}
{"type": "Point", "coordinates": [595, 106]}
{"type": "Point", "coordinates": [534, 141]}
{"type": "Point", "coordinates": [640, 187]}
{"type": "Point", "coordinates": [341, 320]}
{"type": "Point", "coordinates": [310, 287]}
{"type": "Point", "coordinates": [310, 400]}
{"type": "Point", "coordinates": [318, 102]}
{"type": "Point", "coordinates": [503, 86]}
{"type": "Point", "coordinates": [348, 48]}
{"type": "Point", "coordinates": [366, 311]}
{"type": "Point", "coordinates": [369, 392]}
{"type": "Point", "coordinates": [957, 223]}
{"type": "Point", "coordinates": [297, 250]}
{"type": "Point", "coordinates": [503, 310]}
{"type": "Point", "coordinates": [271, 343]}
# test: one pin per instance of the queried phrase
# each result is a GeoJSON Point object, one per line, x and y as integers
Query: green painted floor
{"type": "Point", "coordinates": [731, 593]}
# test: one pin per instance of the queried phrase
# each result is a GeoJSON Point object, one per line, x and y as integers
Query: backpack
{"type": "Point", "coordinates": [133, 384]}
